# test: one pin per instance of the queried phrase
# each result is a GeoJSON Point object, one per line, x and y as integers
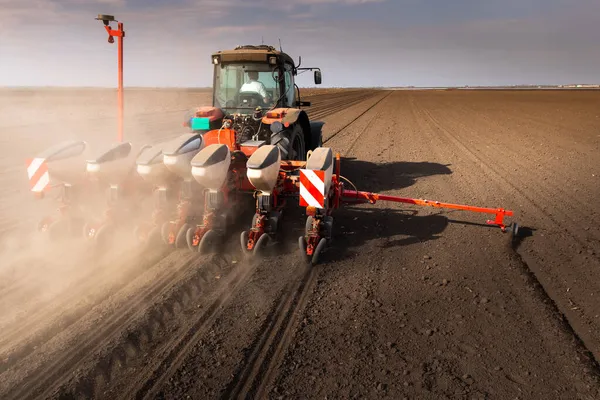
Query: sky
{"type": "Point", "coordinates": [356, 43]}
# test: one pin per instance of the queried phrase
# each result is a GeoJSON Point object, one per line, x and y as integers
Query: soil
{"type": "Point", "coordinates": [408, 301]}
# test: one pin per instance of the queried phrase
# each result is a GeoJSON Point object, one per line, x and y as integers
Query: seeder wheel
{"type": "Point", "coordinates": [208, 242]}
{"type": "Point", "coordinates": [302, 248]}
{"type": "Point", "coordinates": [260, 245]}
{"type": "Point", "coordinates": [244, 242]}
{"type": "Point", "coordinates": [514, 232]}
{"type": "Point", "coordinates": [181, 238]}
{"type": "Point", "coordinates": [189, 238]}
{"type": "Point", "coordinates": [314, 259]}
{"type": "Point", "coordinates": [320, 247]}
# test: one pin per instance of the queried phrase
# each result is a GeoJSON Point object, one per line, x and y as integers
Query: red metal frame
{"type": "Point", "coordinates": [372, 198]}
{"type": "Point", "coordinates": [288, 185]}
{"type": "Point", "coordinates": [337, 196]}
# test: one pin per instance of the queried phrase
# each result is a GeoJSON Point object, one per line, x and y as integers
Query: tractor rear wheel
{"type": "Point", "coordinates": [291, 143]}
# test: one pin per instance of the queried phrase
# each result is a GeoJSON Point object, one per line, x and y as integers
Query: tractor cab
{"type": "Point", "coordinates": [249, 77]}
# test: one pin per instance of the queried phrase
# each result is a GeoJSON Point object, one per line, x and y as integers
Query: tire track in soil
{"type": "Point", "coordinates": [561, 319]}
{"type": "Point", "coordinates": [334, 134]}
{"type": "Point", "coordinates": [173, 355]}
{"type": "Point", "coordinates": [66, 321]}
{"type": "Point", "coordinates": [322, 111]}
{"type": "Point", "coordinates": [498, 176]}
{"type": "Point", "coordinates": [260, 367]}
{"type": "Point", "coordinates": [550, 190]}
{"type": "Point", "coordinates": [141, 340]}
{"type": "Point", "coordinates": [269, 346]}
{"type": "Point", "coordinates": [538, 287]}
{"type": "Point", "coordinates": [44, 376]}
{"type": "Point", "coordinates": [58, 371]}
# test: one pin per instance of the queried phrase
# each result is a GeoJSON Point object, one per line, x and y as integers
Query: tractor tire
{"type": "Point", "coordinates": [291, 143]}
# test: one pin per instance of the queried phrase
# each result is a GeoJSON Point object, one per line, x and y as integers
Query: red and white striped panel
{"type": "Point", "coordinates": [39, 178]}
{"type": "Point", "coordinates": [312, 188]}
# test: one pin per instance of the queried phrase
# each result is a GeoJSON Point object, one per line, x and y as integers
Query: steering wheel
{"type": "Point", "coordinates": [250, 99]}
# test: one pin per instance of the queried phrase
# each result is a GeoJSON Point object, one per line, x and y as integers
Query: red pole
{"type": "Point", "coordinates": [120, 34]}
{"type": "Point", "coordinates": [120, 90]}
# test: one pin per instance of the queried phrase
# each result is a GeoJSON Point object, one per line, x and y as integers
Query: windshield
{"type": "Point", "coordinates": [245, 86]}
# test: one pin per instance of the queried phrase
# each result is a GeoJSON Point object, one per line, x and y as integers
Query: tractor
{"type": "Point", "coordinates": [272, 114]}
{"type": "Point", "coordinates": [255, 103]}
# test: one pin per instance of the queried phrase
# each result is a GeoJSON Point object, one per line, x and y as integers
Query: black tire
{"type": "Point", "coordinates": [317, 140]}
{"type": "Point", "coordinates": [208, 242]}
{"type": "Point", "coordinates": [514, 233]}
{"type": "Point", "coordinates": [515, 230]}
{"type": "Point", "coordinates": [318, 250]}
{"type": "Point", "coordinates": [261, 245]}
{"type": "Point", "coordinates": [291, 143]}
{"type": "Point", "coordinates": [328, 224]}
{"type": "Point", "coordinates": [302, 248]}
{"type": "Point", "coordinates": [316, 130]}
{"type": "Point", "coordinates": [244, 242]}
{"type": "Point", "coordinates": [189, 237]}
{"type": "Point", "coordinates": [181, 238]}
{"type": "Point", "coordinates": [274, 225]}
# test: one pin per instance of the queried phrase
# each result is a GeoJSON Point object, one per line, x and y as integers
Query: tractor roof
{"type": "Point", "coordinates": [259, 53]}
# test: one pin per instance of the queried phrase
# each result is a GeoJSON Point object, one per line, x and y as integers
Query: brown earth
{"type": "Point", "coordinates": [408, 302]}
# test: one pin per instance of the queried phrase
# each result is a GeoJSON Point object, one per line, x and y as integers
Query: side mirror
{"type": "Point", "coordinates": [317, 77]}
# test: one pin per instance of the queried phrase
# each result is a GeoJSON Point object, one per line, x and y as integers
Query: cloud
{"type": "Point", "coordinates": [354, 41]}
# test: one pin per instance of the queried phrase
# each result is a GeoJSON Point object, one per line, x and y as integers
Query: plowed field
{"type": "Point", "coordinates": [408, 302]}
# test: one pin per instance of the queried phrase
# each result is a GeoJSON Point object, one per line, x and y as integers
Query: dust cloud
{"type": "Point", "coordinates": [44, 279]}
